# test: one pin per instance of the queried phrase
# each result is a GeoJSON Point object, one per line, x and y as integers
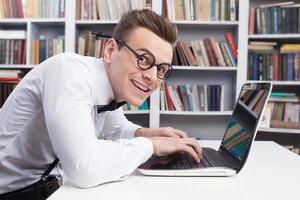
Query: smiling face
{"type": "Point", "coordinates": [128, 82]}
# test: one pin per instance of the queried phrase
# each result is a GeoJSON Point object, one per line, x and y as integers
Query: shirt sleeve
{"type": "Point", "coordinates": [67, 103]}
{"type": "Point", "coordinates": [117, 126]}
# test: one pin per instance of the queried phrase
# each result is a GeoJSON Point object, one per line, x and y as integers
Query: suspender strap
{"type": "Point", "coordinates": [50, 168]}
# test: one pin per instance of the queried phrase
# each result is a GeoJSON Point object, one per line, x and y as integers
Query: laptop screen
{"type": "Point", "coordinates": [245, 117]}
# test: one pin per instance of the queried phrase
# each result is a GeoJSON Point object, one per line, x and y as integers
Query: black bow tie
{"type": "Point", "coordinates": [113, 105]}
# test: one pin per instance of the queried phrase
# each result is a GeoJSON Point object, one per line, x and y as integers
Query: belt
{"type": "Point", "coordinates": [37, 191]}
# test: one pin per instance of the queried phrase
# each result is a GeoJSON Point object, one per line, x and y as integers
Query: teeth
{"type": "Point", "coordinates": [140, 86]}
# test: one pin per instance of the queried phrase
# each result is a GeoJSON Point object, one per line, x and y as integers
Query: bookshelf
{"type": "Point", "coordinates": [279, 35]}
{"type": "Point", "coordinates": [204, 125]}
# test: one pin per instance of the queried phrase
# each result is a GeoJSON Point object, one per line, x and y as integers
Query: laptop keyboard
{"type": "Point", "coordinates": [210, 158]}
{"type": "Point", "coordinates": [185, 161]}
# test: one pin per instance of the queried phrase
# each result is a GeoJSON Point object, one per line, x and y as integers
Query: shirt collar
{"type": "Point", "coordinates": [104, 92]}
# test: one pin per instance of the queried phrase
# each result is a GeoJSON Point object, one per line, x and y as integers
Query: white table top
{"type": "Point", "coordinates": [271, 172]}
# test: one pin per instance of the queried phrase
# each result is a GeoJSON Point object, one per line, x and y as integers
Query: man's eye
{"type": "Point", "coordinates": [161, 69]}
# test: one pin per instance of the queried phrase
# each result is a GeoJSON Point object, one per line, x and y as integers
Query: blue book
{"type": "Point", "coordinates": [255, 67]}
{"type": "Point", "coordinates": [213, 10]}
{"type": "Point", "coordinates": [275, 20]}
{"type": "Point", "coordinates": [290, 66]}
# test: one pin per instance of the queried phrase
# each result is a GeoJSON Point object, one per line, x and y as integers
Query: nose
{"type": "Point", "coordinates": [150, 74]}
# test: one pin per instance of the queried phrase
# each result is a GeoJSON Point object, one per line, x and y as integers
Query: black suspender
{"type": "Point", "coordinates": [50, 168]}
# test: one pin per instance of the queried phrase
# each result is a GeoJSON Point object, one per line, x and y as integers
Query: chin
{"type": "Point", "coordinates": [135, 102]}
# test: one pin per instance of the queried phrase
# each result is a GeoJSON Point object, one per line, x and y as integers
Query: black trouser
{"type": "Point", "coordinates": [38, 191]}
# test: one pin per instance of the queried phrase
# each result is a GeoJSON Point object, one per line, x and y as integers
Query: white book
{"type": "Point", "coordinates": [195, 97]}
{"type": "Point", "coordinates": [94, 7]}
{"type": "Point", "coordinates": [232, 10]}
{"type": "Point", "coordinates": [186, 6]}
{"type": "Point", "coordinates": [222, 98]}
{"type": "Point", "coordinates": [192, 10]}
{"type": "Point", "coordinates": [174, 100]}
{"type": "Point", "coordinates": [276, 4]}
{"type": "Point", "coordinates": [204, 53]}
{"type": "Point", "coordinates": [175, 87]}
{"type": "Point", "coordinates": [9, 73]}
{"type": "Point", "coordinates": [197, 52]}
{"type": "Point", "coordinates": [171, 11]}
{"type": "Point", "coordinates": [157, 6]}
{"type": "Point", "coordinates": [12, 34]}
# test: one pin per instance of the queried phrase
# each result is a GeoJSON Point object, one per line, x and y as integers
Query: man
{"type": "Point", "coordinates": [56, 111]}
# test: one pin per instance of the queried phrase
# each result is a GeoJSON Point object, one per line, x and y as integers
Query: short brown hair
{"type": "Point", "coordinates": [148, 19]}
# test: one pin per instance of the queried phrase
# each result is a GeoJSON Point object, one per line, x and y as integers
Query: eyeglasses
{"type": "Point", "coordinates": [146, 60]}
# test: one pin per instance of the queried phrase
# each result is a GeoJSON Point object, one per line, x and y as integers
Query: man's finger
{"type": "Point", "coordinates": [191, 151]}
{"type": "Point", "coordinates": [195, 145]}
{"type": "Point", "coordinates": [180, 133]}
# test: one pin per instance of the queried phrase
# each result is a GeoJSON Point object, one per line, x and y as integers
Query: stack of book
{"type": "Point", "coordinates": [283, 110]}
{"type": "Point", "coordinates": [44, 48]}
{"type": "Point", "coordinates": [205, 10]}
{"type": "Point", "coordinates": [108, 9]}
{"type": "Point", "coordinates": [12, 51]}
{"type": "Point", "coordinates": [269, 61]}
{"type": "Point", "coordinates": [90, 45]}
{"type": "Point", "coordinates": [32, 9]}
{"type": "Point", "coordinates": [12, 47]}
{"type": "Point", "coordinates": [275, 18]}
{"type": "Point", "coordinates": [206, 52]}
{"type": "Point", "coordinates": [191, 97]}
{"type": "Point", "coordinates": [8, 81]}
{"type": "Point", "coordinates": [144, 106]}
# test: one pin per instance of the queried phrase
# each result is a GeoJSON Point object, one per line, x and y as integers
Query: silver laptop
{"type": "Point", "coordinates": [235, 146]}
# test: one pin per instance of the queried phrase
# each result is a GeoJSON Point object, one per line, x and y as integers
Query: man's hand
{"type": "Point", "coordinates": [160, 132]}
{"type": "Point", "coordinates": [168, 145]}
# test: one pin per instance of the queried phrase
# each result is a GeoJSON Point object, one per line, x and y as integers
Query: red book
{"type": "Point", "coordinates": [251, 21]}
{"type": "Point", "coordinates": [210, 53]}
{"type": "Point", "coordinates": [165, 7]}
{"type": "Point", "coordinates": [276, 66]}
{"type": "Point", "coordinates": [8, 79]}
{"type": "Point", "coordinates": [169, 101]}
{"type": "Point", "coordinates": [232, 45]}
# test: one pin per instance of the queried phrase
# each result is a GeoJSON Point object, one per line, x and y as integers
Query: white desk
{"type": "Point", "coordinates": [271, 172]}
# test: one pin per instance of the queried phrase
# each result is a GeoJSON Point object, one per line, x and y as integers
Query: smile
{"type": "Point", "coordinates": [140, 86]}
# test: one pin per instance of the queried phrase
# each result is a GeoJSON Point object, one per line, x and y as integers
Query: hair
{"type": "Point", "coordinates": [159, 25]}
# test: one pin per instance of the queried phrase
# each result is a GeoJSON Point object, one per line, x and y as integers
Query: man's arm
{"type": "Point", "coordinates": [86, 160]}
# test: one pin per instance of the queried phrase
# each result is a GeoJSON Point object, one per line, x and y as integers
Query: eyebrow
{"type": "Point", "coordinates": [146, 50]}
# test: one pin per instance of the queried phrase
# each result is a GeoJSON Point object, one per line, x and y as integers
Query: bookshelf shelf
{"type": "Point", "coordinates": [281, 83]}
{"type": "Point", "coordinates": [212, 23]}
{"type": "Point", "coordinates": [91, 22]}
{"type": "Point", "coordinates": [190, 113]}
{"type": "Point", "coordinates": [9, 66]}
{"type": "Point", "coordinates": [25, 20]}
{"type": "Point", "coordinates": [198, 68]}
{"type": "Point", "coordinates": [275, 36]}
{"type": "Point", "coordinates": [13, 21]}
{"type": "Point", "coordinates": [136, 112]}
{"type": "Point", "coordinates": [280, 130]}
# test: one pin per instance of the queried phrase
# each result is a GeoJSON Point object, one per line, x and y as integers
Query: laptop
{"type": "Point", "coordinates": [232, 154]}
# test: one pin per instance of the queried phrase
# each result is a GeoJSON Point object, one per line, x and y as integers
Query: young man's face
{"type": "Point", "coordinates": [128, 82]}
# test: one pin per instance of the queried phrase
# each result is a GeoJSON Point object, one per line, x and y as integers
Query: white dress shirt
{"type": "Point", "coordinates": [52, 113]}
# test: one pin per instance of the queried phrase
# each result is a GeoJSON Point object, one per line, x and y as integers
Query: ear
{"type": "Point", "coordinates": [110, 47]}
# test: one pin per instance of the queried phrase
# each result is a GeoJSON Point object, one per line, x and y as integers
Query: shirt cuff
{"type": "Point", "coordinates": [145, 145]}
{"type": "Point", "coordinates": [131, 131]}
